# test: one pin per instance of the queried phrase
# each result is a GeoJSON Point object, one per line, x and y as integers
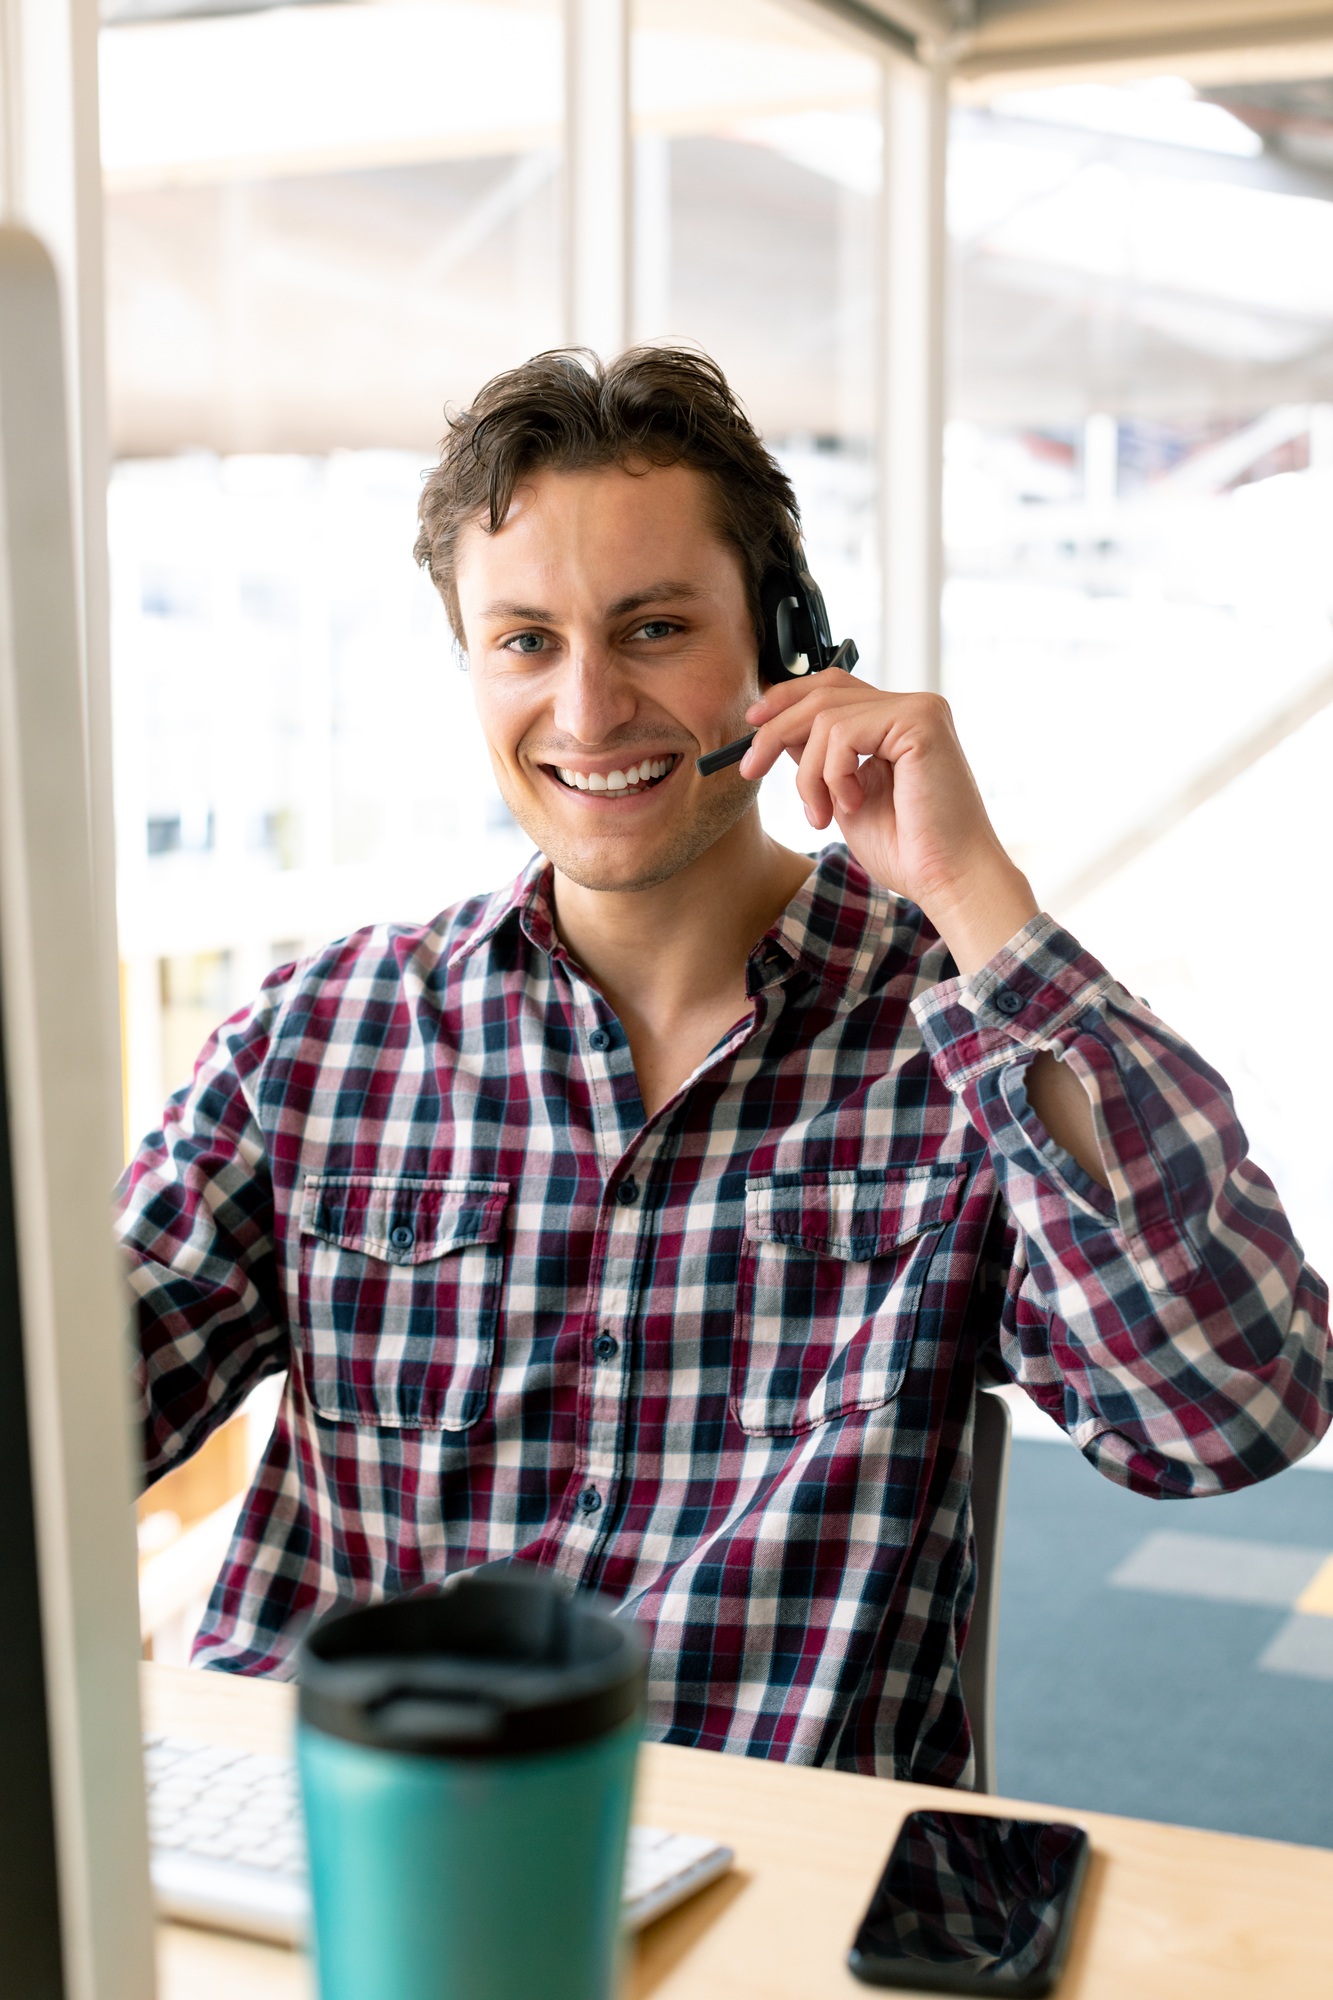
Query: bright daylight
{"type": "Point", "coordinates": [693, 645]}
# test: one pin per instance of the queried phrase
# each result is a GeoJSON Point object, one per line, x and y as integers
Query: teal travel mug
{"type": "Point", "coordinates": [467, 1765]}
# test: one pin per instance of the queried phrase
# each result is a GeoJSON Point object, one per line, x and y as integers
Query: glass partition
{"type": "Point", "coordinates": [1139, 515]}
{"type": "Point", "coordinates": [323, 223]}
{"type": "Point", "coordinates": [757, 167]}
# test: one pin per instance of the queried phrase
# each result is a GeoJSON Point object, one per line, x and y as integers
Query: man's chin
{"type": "Point", "coordinates": [619, 863]}
{"type": "Point", "coordinates": [607, 878]}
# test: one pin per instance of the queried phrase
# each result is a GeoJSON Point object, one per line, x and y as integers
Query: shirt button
{"type": "Point", "coordinates": [627, 1193]}
{"type": "Point", "coordinates": [599, 1040]}
{"type": "Point", "coordinates": [402, 1238]}
{"type": "Point", "coordinates": [589, 1500]}
{"type": "Point", "coordinates": [1009, 1003]}
{"type": "Point", "coordinates": [606, 1347]}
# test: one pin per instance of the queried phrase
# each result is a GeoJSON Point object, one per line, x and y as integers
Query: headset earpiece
{"type": "Point", "coordinates": [796, 629]}
{"type": "Point", "coordinates": [796, 640]}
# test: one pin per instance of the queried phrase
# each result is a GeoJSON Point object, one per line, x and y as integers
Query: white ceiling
{"type": "Point", "coordinates": [1008, 39]}
{"type": "Point", "coordinates": [987, 37]}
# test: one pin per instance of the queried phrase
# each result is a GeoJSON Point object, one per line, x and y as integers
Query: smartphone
{"type": "Point", "coordinates": [969, 1903]}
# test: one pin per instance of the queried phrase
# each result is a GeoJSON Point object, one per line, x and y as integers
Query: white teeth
{"type": "Point", "coordinates": [616, 781]}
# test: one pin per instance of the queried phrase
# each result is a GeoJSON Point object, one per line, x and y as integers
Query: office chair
{"type": "Point", "coordinates": [990, 1485]}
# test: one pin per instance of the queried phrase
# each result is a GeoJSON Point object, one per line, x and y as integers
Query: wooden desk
{"type": "Point", "coordinates": [1168, 1914]}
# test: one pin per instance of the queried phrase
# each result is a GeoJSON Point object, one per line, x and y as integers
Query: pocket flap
{"type": "Point", "coordinates": [402, 1221]}
{"type": "Point", "coordinates": [853, 1212]}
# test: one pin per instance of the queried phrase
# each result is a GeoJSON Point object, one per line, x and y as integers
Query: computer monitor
{"type": "Point", "coordinates": [74, 1907]}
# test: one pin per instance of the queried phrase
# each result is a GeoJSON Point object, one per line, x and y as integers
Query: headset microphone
{"type": "Point", "coordinates": [796, 641]}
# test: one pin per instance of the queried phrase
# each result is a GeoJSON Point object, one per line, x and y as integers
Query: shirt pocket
{"type": "Point", "coordinates": [399, 1296]}
{"type": "Point", "coordinates": [831, 1279]}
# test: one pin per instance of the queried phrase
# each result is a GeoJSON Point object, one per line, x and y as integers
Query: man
{"type": "Point", "coordinates": [649, 1219]}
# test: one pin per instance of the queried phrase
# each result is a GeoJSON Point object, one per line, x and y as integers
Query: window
{"type": "Point", "coordinates": [757, 166]}
{"type": "Point", "coordinates": [1139, 513]}
{"type": "Point", "coordinates": [323, 223]}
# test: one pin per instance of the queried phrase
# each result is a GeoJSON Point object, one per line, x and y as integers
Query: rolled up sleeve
{"type": "Point", "coordinates": [1170, 1323]}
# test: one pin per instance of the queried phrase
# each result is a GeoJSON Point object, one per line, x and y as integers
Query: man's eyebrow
{"type": "Point", "coordinates": [669, 590]}
{"type": "Point", "coordinates": [531, 613]}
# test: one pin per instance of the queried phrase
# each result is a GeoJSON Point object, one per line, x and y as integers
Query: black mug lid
{"type": "Point", "coordinates": [496, 1664]}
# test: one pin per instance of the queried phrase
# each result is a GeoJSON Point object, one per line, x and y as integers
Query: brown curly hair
{"type": "Point", "coordinates": [566, 410]}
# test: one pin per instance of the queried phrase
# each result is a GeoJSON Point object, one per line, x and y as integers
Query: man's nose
{"type": "Point", "coordinates": [594, 695]}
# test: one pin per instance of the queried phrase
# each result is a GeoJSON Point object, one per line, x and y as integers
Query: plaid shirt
{"type": "Point", "coordinates": [719, 1363]}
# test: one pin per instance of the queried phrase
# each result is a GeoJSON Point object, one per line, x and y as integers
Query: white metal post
{"type": "Point", "coordinates": [50, 181]}
{"type": "Point", "coordinates": [62, 1087]}
{"type": "Point", "coordinates": [52, 184]}
{"type": "Point", "coordinates": [912, 370]}
{"type": "Point", "coordinates": [598, 281]}
{"type": "Point", "coordinates": [652, 236]}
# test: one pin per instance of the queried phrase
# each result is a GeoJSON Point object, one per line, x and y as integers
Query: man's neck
{"type": "Point", "coordinates": [670, 960]}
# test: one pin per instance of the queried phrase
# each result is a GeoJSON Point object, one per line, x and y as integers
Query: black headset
{"type": "Point", "coordinates": [796, 641]}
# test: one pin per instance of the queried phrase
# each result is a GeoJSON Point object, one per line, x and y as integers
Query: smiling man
{"type": "Point", "coordinates": [651, 1218]}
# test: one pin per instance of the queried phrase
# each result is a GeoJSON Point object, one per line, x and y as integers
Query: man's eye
{"type": "Point", "coordinates": [656, 628]}
{"type": "Point", "coordinates": [525, 642]}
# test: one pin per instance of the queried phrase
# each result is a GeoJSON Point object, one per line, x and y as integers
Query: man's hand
{"type": "Point", "coordinates": [889, 769]}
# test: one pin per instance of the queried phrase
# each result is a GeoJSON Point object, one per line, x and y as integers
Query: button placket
{"type": "Point", "coordinates": [603, 1062]}
{"type": "Point", "coordinates": [605, 1377]}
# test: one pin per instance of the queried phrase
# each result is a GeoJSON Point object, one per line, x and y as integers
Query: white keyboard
{"type": "Point", "coordinates": [228, 1846]}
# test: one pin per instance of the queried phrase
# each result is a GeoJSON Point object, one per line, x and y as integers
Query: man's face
{"type": "Point", "coordinates": [609, 643]}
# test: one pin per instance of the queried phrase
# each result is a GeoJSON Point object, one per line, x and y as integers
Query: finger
{"type": "Point", "coordinates": [785, 694]}
{"type": "Point", "coordinates": [789, 729]}
{"type": "Point", "coordinates": [842, 764]}
{"type": "Point", "coordinates": [765, 749]}
{"type": "Point", "coordinates": [861, 733]}
{"type": "Point", "coordinates": [814, 794]}
{"type": "Point", "coordinates": [784, 732]}
{"type": "Point", "coordinates": [854, 769]}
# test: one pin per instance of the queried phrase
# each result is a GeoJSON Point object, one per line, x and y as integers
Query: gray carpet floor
{"type": "Point", "coordinates": [1152, 1656]}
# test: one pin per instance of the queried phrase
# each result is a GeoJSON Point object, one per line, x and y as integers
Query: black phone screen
{"type": "Point", "coordinates": [969, 1903]}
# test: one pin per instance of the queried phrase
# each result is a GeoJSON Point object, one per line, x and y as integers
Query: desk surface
{"type": "Point", "coordinates": [1168, 1913]}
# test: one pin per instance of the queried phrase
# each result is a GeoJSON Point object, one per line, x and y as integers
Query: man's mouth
{"type": "Point", "coordinates": [624, 779]}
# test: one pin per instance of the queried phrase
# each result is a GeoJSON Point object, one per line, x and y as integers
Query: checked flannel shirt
{"type": "Point", "coordinates": [719, 1363]}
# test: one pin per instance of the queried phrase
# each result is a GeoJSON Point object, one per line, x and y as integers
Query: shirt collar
{"type": "Point", "coordinates": [834, 928]}
{"type": "Point", "coordinates": [525, 901]}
